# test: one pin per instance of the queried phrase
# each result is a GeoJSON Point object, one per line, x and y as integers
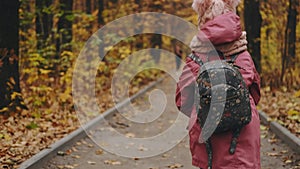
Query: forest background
{"type": "Point", "coordinates": [40, 41]}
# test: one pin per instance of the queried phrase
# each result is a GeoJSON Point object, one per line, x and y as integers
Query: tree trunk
{"type": "Point", "coordinates": [10, 92]}
{"type": "Point", "coordinates": [253, 22]}
{"type": "Point", "coordinates": [43, 22]}
{"type": "Point", "coordinates": [101, 9]}
{"type": "Point", "coordinates": [88, 6]}
{"type": "Point", "coordinates": [289, 55]}
{"type": "Point", "coordinates": [156, 42]}
{"type": "Point", "coordinates": [156, 39]}
{"type": "Point", "coordinates": [139, 8]}
{"type": "Point", "coordinates": [65, 26]}
{"type": "Point", "coordinates": [101, 6]}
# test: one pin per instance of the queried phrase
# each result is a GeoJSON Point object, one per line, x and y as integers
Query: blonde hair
{"type": "Point", "coordinates": [209, 9]}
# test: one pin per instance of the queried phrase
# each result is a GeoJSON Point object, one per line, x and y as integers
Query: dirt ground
{"type": "Point", "coordinates": [161, 143]}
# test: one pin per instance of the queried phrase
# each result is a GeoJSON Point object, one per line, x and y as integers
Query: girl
{"type": "Point", "coordinates": [221, 26]}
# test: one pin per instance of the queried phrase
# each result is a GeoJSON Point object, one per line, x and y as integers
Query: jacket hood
{"type": "Point", "coordinates": [221, 30]}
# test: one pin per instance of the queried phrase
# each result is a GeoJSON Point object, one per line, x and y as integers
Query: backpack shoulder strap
{"type": "Point", "coordinates": [196, 59]}
{"type": "Point", "coordinates": [233, 57]}
{"type": "Point", "coordinates": [200, 62]}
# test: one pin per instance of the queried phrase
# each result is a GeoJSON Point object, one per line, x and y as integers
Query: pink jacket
{"type": "Point", "coordinates": [224, 28]}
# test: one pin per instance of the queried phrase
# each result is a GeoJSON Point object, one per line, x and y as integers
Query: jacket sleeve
{"type": "Point", "coordinates": [250, 75]}
{"type": "Point", "coordinates": [185, 100]}
{"type": "Point", "coordinates": [186, 88]}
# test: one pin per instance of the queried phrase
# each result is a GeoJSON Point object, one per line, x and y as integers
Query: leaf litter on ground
{"type": "Point", "coordinates": [283, 107]}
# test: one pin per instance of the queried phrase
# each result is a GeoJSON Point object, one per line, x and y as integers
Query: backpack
{"type": "Point", "coordinates": [222, 99]}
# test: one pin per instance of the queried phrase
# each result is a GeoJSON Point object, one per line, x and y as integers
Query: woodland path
{"type": "Point", "coordinates": [86, 154]}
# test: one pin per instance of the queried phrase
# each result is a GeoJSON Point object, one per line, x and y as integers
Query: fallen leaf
{"type": "Point", "coordinates": [130, 135]}
{"type": "Point", "coordinates": [84, 142]}
{"type": "Point", "coordinates": [165, 155]}
{"type": "Point", "coordinates": [274, 140]}
{"type": "Point", "coordinates": [176, 165]}
{"type": "Point", "coordinates": [122, 124]}
{"type": "Point", "coordinates": [99, 152]}
{"type": "Point", "coordinates": [141, 148]}
{"type": "Point", "coordinates": [293, 113]}
{"type": "Point", "coordinates": [263, 136]}
{"type": "Point", "coordinates": [263, 128]}
{"type": "Point", "coordinates": [74, 149]}
{"type": "Point", "coordinates": [112, 162]}
{"type": "Point", "coordinates": [68, 152]}
{"type": "Point", "coordinates": [272, 154]}
{"type": "Point", "coordinates": [297, 94]}
{"type": "Point", "coordinates": [75, 156]}
{"type": "Point", "coordinates": [61, 153]}
{"type": "Point", "coordinates": [69, 166]}
{"type": "Point", "coordinates": [91, 162]}
{"type": "Point", "coordinates": [288, 161]}
{"type": "Point", "coordinates": [32, 125]}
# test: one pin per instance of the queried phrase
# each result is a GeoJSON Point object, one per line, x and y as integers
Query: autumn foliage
{"type": "Point", "coordinates": [52, 33]}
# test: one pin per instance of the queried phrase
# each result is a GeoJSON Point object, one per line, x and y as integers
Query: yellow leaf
{"type": "Point", "coordinates": [4, 109]}
{"type": "Point", "coordinates": [123, 56]}
{"type": "Point", "coordinates": [14, 95]}
{"type": "Point", "coordinates": [263, 128]}
{"type": "Point", "coordinates": [283, 88]}
{"type": "Point", "coordinates": [297, 94]}
{"type": "Point", "coordinates": [64, 97]}
{"type": "Point", "coordinates": [43, 71]}
{"type": "Point", "coordinates": [268, 89]}
{"type": "Point", "coordinates": [7, 137]}
{"type": "Point", "coordinates": [95, 13]}
{"type": "Point", "coordinates": [293, 113]}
